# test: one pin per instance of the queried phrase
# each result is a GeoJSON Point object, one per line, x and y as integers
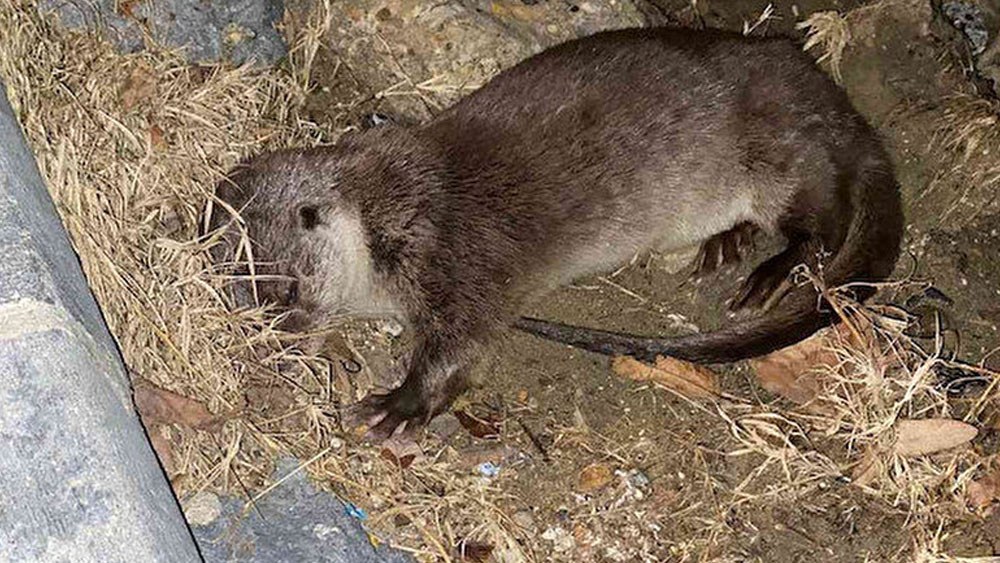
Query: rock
{"type": "Point", "coordinates": [390, 327]}
{"type": "Point", "coordinates": [525, 519]}
{"type": "Point", "coordinates": [931, 435]}
{"type": "Point", "coordinates": [293, 522]}
{"type": "Point", "coordinates": [638, 478]}
{"type": "Point", "coordinates": [80, 481]}
{"type": "Point", "coordinates": [444, 425]}
{"type": "Point", "coordinates": [562, 540]}
{"type": "Point", "coordinates": [976, 20]}
{"type": "Point", "coordinates": [235, 31]}
{"type": "Point", "coordinates": [202, 509]}
{"type": "Point", "coordinates": [968, 18]}
{"type": "Point", "coordinates": [426, 55]}
{"type": "Point", "coordinates": [593, 478]}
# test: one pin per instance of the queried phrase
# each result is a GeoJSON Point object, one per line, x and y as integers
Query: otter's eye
{"type": "Point", "coordinates": [309, 217]}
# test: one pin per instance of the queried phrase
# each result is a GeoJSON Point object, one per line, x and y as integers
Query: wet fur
{"type": "Point", "coordinates": [566, 165]}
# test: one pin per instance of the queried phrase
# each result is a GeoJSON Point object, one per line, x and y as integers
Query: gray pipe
{"type": "Point", "coordinates": [78, 479]}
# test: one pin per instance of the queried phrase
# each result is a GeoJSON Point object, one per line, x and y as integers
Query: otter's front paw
{"type": "Point", "coordinates": [401, 412]}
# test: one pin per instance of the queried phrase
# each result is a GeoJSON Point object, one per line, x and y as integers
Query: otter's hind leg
{"type": "Point", "coordinates": [814, 226]}
{"type": "Point", "coordinates": [723, 249]}
{"type": "Point", "coordinates": [768, 283]}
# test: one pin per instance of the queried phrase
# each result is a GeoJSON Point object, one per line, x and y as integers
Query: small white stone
{"type": "Point", "coordinates": [561, 539]}
{"type": "Point", "coordinates": [615, 554]}
{"type": "Point", "coordinates": [390, 327]}
{"type": "Point", "coordinates": [321, 531]}
{"type": "Point", "coordinates": [202, 509]}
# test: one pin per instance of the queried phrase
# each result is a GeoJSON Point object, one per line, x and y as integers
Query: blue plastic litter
{"type": "Point", "coordinates": [356, 512]}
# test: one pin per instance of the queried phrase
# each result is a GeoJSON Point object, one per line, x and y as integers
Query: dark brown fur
{"type": "Point", "coordinates": [568, 164]}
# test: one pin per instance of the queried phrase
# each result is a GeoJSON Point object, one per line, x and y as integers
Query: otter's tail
{"type": "Point", "coordinates": [868, 254]}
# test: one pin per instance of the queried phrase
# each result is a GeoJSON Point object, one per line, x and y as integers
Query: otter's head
{"type": "Point", "coordinates": [321, 225]}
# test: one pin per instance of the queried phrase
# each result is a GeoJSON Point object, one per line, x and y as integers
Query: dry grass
{"type": "Point", "coordinates": [131, 147]}
{"type": "Point", "coordinates": [830, 32]}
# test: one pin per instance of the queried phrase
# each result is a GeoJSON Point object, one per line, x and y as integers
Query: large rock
{"type": "Point", "coordinates": [293, 522]}
{"type": "Point", "coordinates": [236, 31]}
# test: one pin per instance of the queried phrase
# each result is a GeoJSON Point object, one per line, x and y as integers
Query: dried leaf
{"type": "Point", "coordinates": [400, 451]}
{"type": "Point", "coordinates": [140, 86]}
{"type": "Point", "coordinates": [867, 470]}
{"type": "Point", "coordinates": [477, 552]}
{"type": "Point", "coordinates": [930, 435]}
{"type": "Point", "coordinates": [982, 492]}
{"type": "Point", "coordinates": [792, 372]}
{"type": "Point", "coordinates": [593, 478]}
{"type": "Point", "coordinates": [691, 380]}
{"type": "Point", "coordinates": [402, 462]}
{"type": "Point", "coordinates": [157, 138]}
{"type": "Point", "coordinates": [159, 406]}
{"type": "Point", "coordinates": [478, 426]}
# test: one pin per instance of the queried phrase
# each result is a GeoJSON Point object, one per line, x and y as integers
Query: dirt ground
{"type": "Point", "coordinates": [573, 462]}
{"type": "Point", "coordinates": [679, 491]}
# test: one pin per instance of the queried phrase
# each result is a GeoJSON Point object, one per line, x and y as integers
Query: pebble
{"type": "Point", "coordinates": [593, 478]}
{"type": "Point", "coordinates": [391, 328]}
{"type": "Point", "coordinates": [561, 539]}
{"type": "Point", "coordinates": [638, 478]}
{"type": "Point", "coordinates": [525, 519]}
{"type": "Point", "coordinates": [202, 509]}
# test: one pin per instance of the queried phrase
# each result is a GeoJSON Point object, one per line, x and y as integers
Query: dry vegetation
{"type": "Point", "coordinates": [131, 147]}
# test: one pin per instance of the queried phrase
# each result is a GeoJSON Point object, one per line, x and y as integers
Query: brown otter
{"type": "Point", "coordinates": [564, 165]}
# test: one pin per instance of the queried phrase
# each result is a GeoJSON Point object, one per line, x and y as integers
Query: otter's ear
{"type": "Point", "coordinates": [309, 217]}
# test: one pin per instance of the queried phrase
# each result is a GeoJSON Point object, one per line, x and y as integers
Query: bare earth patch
{"type": "Point", "coordinates": [879, 443]}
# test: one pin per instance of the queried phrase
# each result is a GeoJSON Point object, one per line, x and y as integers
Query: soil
{"type": "Point", "coordinates": [681, 492]}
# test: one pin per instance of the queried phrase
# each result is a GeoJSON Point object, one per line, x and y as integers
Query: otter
{"type": "Point", "coordinates": [564, 165]}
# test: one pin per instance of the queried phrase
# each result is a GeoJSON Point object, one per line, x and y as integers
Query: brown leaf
{"type": "Point", "coordinates": [691, 380]}
{"type": "Point", "coordinates": [792, 372]}
{"type": "Point", "coordinates": [583, 535]}
{"type": "Point", "coordinates": [931, 435]}
{"type": "Point", "coordinates": [159, 406]}
{"type": "Point", "coordinates": [157, 138]}
{"type": "Point", "coordinates": [140, 86]}
{"type": "Point", "coordinates": [400, 451]}
{"type": "Point", "coordinates": [402, 462]}
{"type": "Point", "coordinates": [867, 470]}
{"type": "Point", "coordinates": [478, 426]}
{"type": "Point", "coordinates": [478, 552]}
{"type": "Point", "coordinates": [982, 492]}
{"type": "Point", "coordinates": [126, 6]}
{"type": "Point", "coordinates": [593, 478]}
